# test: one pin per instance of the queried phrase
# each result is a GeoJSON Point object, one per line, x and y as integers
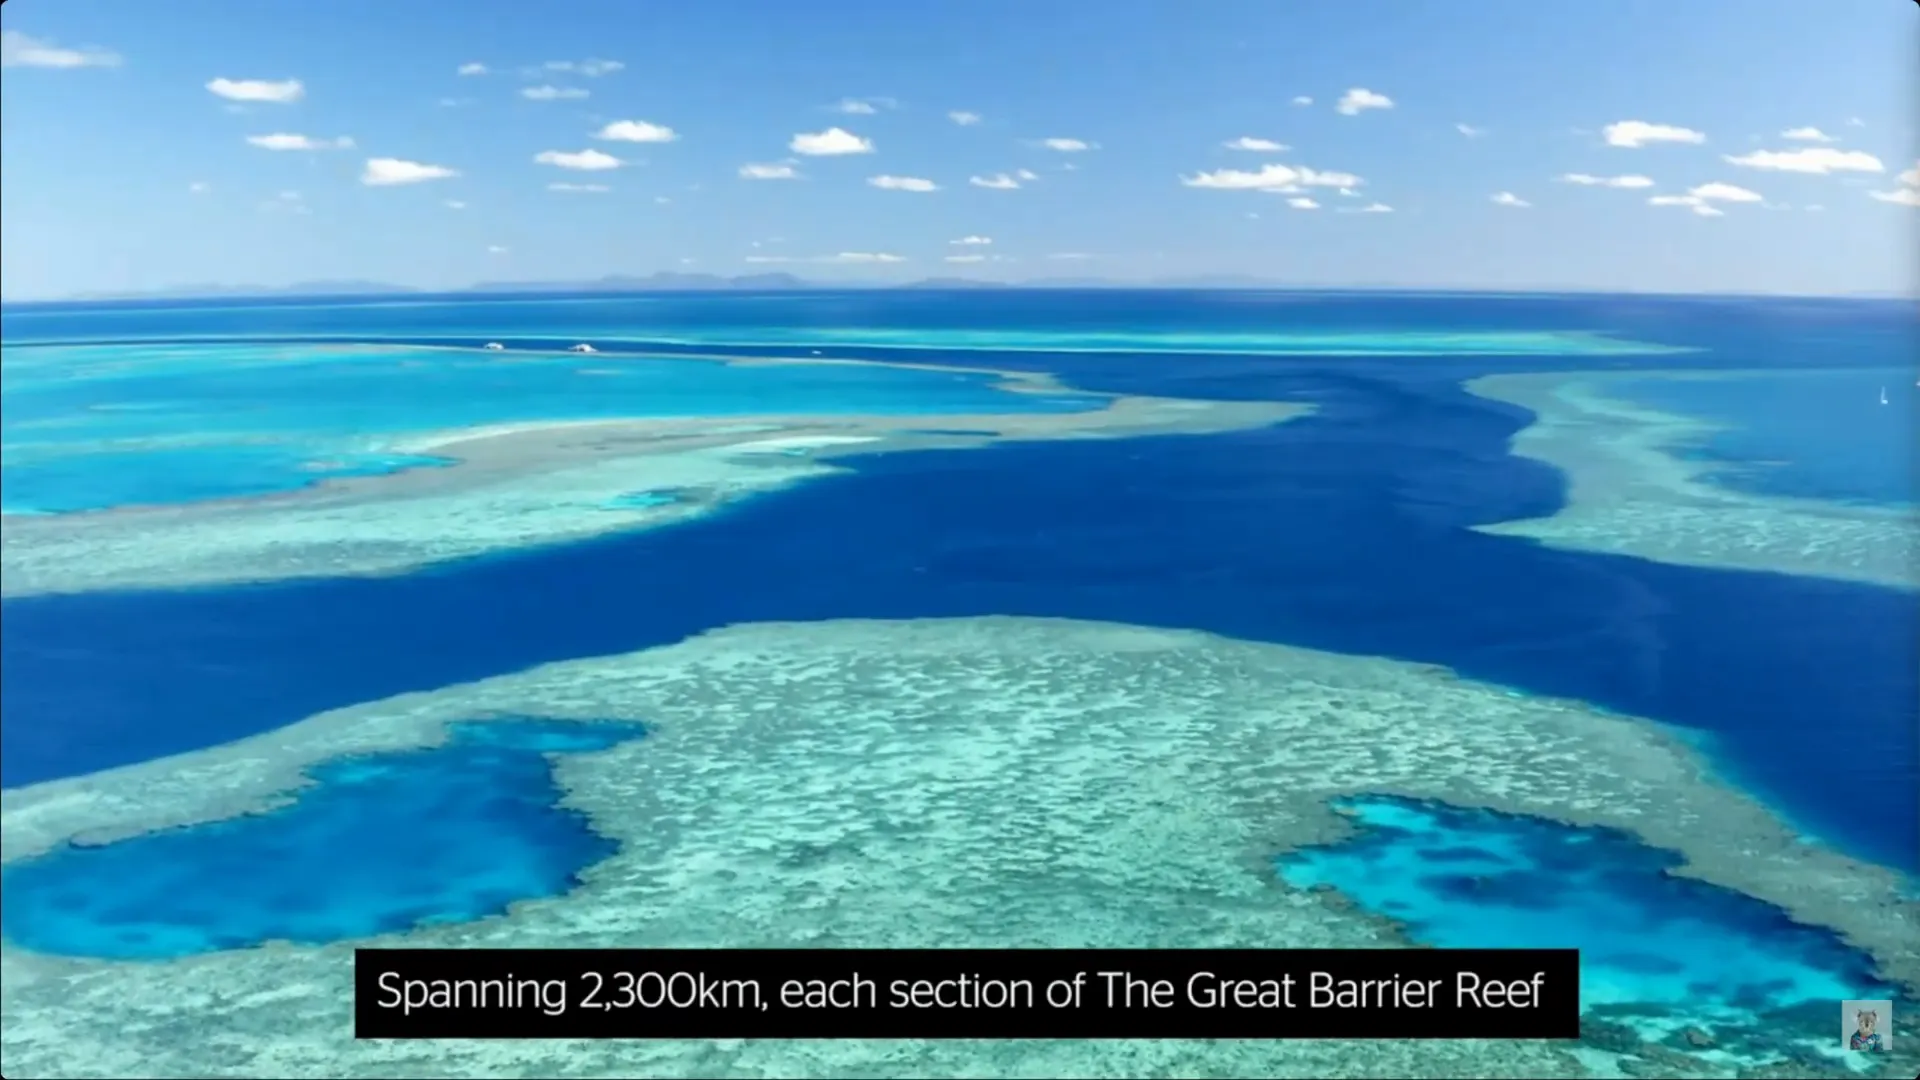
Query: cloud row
{"type": "Point", "coordinates": [1820, 158]}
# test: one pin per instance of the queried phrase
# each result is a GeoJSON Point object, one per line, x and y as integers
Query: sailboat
{"type": "Point", "coordinates": [1883, 395]}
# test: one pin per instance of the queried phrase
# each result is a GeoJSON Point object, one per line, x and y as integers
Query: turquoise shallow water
{"type": "Point", "coordinates": [94, 427]}
{"type": "Point", "coordinates": [380, 843]}
{"type": "Point", "coordinates": [1458, 878]}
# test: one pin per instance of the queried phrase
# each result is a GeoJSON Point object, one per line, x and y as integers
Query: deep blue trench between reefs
{"type": "Point", "coordinates": [1347, 530]}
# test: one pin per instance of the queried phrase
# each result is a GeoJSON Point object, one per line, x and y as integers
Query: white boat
{"type": "Point", "coordinates": [1883, 395]}
{"type": "Point", "coordinates": [583, 347]}
{"type": "Point", "coordinates": [494, 346]}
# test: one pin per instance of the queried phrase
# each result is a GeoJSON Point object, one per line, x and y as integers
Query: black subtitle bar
{"type": "Point", "coordinates": [966, 994]}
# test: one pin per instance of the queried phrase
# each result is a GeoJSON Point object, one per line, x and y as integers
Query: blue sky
{"type": "Point", "coordinates": [125, 160]}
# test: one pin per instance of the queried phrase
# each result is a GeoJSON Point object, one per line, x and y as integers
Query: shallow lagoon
{"type": "Point", "coordinates": [95, 427]}
{"type": "Point", "coordinates": [379, 843]}
{"type": "Point", "coordinates": [1476, 879]}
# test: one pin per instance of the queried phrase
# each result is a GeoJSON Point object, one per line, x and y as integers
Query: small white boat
{"type": "Point", "coordinates": [494, 346]}
{"type": "Point", "coordinates": [583, 347]}
{"type": "Point", "coordinates": [1883, 395]}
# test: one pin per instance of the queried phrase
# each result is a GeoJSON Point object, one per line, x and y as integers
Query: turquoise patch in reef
{"type": "Point", "coordinates": [1650, 942]}
{"type": "Point", "coordinates": [380, 843]}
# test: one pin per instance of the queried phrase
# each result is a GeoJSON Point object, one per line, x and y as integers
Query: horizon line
{"type": "Point", "coordinates": [268, 295]}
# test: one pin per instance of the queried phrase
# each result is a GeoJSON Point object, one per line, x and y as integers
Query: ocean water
{"type": "Point", "coordinates": [1475, 879]}
{"type": "Point", "coordinates": [1822, 435]}
{"type": "Point", "coordinates": [798, 322]}
{"type": "Point", "coordinates": [1349, 530]}
{"type": "Point", "coordinates": [95, 427]}
{"type": "Point", "coordinates": [379, 843]}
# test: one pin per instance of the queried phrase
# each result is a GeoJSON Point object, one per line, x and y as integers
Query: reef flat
{"type": "Point", "coordinates": [509, 485]}
{"type": "Point", "coordinates": [989, 782]}
{"type": "Point", "coordinates": [1631, 494]}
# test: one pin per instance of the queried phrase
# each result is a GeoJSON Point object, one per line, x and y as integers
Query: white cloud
{"type": "Point", "coordinates": [1589, 180]}
{"type": "Point", "coordinates": [1724, 193]}
{"type": "Point", "coordinates": [279, 93]}
{"type": "Point", "coordinates": [964, 118]}
{"type": "Point", "coordinates": [1248, 142]}
{"type": "Point", "coordinates": [855, 107]}
{"type": "Point", "coordinates": [1070, 256]}
{"type": "Point", "coordinates": [775, 171]}
{"type": "Point", "coordinates": [1807, 134]}
{"type": "Point", "coordinates": [639, 131]}
{"type": "Point", "coordinates": [1358, 100]}
{"type": "Point", "coordinates": [1814, 208]}
{"type": "Point", "coordinates": [830, 142]}
{"type": "Point", "coordinates": [553, 93]}
{"type": "Point", "coordinates": [1027, 174]}
{"type": "Point", "coordinates": [1303, 100]}
{"type": "Point", "coordinates": [903, 183]}
{"type": "Point", "coordinates": [1700, 199]}
{"type": "Point", "coordinates": [1469, 130]}
{"type": "Point", "coordinates": [284, 141]}
{"type": "Point", "coordinates": [966, 258]}
{"type": "Point", "coordinates": [584, 189]}
{"type": "Point", "coordinates": [1303, 203]}
{"type": "Point", "coordinates": [1819, 160]}
{"type": "Point", "coordinates": [1908, 193]}
{"type": "Point", "coordinates": [662, 200]}
{"type": "Point", "coordinates": [386, 172]}
{"type": "Point", "coordinates": [1370, 208]}
{"type": "Point", "coordinates": [1637, 133]}
{"type": "Point", "coordinates": [998, 182]}
{"type": "Point", "coordinates": [1854, 121]}
{"type": "Point", "coordinates": [496, 249]}
{"type": "Point", "coordinates": [19, 50]}
{"type": "Point", "coordinates": [1068, 146]}
{"type": "Point", "coordinates": [590, 68]}
{"type": "Point", "coordinates": [455, 204]}
{"type": "Point", "coordinates": [973, 241]}
{"type": "Point", "coordinates": [585, 160]}
{"type": "Point", "coordinates": [475, 68]}
{"type": "Point", "coordinates": [1273, 178]}
{"type": "Point", "coordinates": [1508, 198]}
